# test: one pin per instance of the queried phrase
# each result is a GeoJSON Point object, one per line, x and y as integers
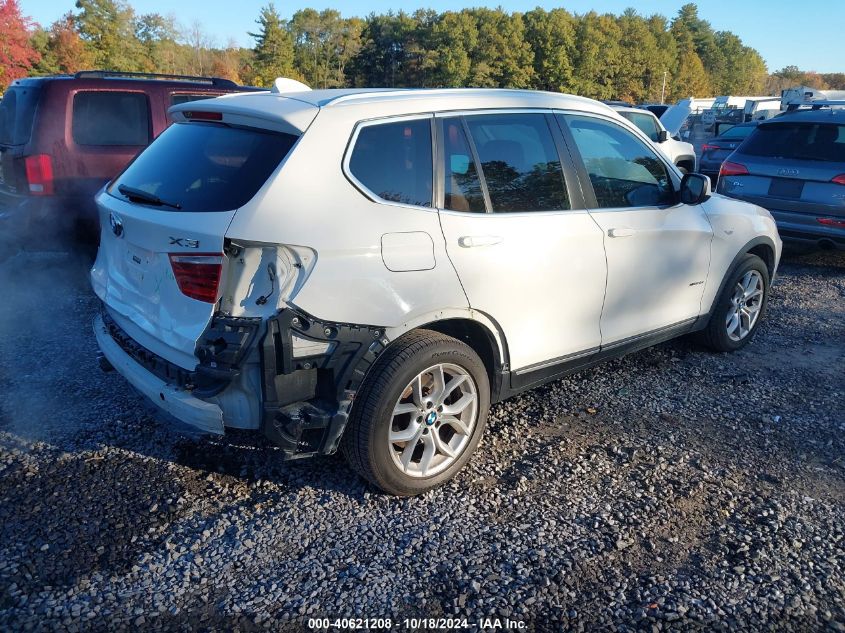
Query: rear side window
{"type": "Point", "coordinates": [176, 99]}
{"type": "Point", "coordinates": [798, 141]}
{"type": "Point", "coordinates": [519, 161]}
{"type": "Point", "coordinates": [17, 112]}
{"type": "Point", "coordinates": [206, 166]}
{"type": "Point", "coordinates": [623, 170]}
{"type": "Point", "coordinates": [393, 161]}
{"type": "Point", "coordinates": [111, 118]}
{"type": "Point", "coordinates": [461, 184]}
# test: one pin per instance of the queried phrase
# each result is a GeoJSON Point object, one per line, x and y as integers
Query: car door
{"type": "Point", "coordinates": [658, 250]}
{"type": "Point", "coordinates": [526, 252]}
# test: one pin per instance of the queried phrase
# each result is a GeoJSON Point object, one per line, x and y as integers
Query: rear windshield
{"type": "Point", "coordinates": [205, 166]}
{"type": "Point", "coordinates": [735, 133]}
{"type": "Point", "coordinates": [798, 141]}
{"type": "Point", "coordinates": [17, 111]}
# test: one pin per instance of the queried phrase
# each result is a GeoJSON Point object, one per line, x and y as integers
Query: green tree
{"type": "Point", "coordinates": [600, 56]}
{"type": "Point", "coordinates": [691, 79]}
{"type": "Point", "coordinates": [503, 57]}
{"type": "Point", "coordinates": [323, 45]}
{"type": "Point", "coordinates": [273, 49]}
{"type": "Point", "coordinates": [552, 38]}
{"type": "Point", "coordinates": [108, 28]}
{"type": "Point", "coordinates": [453, 37]}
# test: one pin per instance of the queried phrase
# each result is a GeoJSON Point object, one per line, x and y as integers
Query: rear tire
{"type": "Point", "coordinates": [419, 415]}
{"type": "Point", "coordinates": [740, 308]}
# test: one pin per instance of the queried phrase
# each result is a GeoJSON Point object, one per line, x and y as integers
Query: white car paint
{"type": "Point", "coordinates": [544, 285]}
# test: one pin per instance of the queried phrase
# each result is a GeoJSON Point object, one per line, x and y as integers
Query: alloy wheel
{"type": "Point", "coordinates": [433, 420]}
{"type": "Point", "coordinates": [746, 304]}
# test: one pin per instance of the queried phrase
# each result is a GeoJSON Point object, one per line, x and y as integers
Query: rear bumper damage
{"type": "Point", "coordinates": [310, 372]}
{"type": "Point", "coordinates": [168, 396]}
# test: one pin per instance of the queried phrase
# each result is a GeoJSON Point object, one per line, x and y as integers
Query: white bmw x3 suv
{"type": "Point", "coordinates": [369, 270]}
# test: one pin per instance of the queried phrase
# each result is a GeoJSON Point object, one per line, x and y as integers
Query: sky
{"type": "Point", "coordinates": [785, 32]}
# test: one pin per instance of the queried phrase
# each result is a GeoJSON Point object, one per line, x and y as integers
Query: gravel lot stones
{"type": "Point", "coordinates": [673, 489]}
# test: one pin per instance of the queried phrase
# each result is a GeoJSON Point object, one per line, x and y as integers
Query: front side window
{"type": "Point", "coordinates": [519, 162]}
{"type": "Point", "coordinates": [393, 160]}
{"type": "Point", "coordinates": [623, 170]}
{"type": "Point", "coordinates": [111, 118]}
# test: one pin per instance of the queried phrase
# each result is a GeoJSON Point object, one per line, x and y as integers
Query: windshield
{"type": "Point", "coordinates": [645, 122]}
{"type": "Point", "coordinates": [798, 141]}
{"type": "Point", "coordinates": [17, 111]}
{"type": "Point", "coordinates": [203, 167]}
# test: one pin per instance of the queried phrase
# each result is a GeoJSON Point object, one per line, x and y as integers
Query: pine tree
{"type": "Point", "coordinates": [273, 49]}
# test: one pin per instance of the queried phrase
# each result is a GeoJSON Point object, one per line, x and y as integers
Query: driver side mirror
{"type": "Point", "coordinates": [662, 136]}
{"type": "Point", "coordinates": [695, 188]}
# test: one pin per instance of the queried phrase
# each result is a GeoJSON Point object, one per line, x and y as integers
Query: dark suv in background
{"type": "Point", "coordinates": [794, 166]}
{"type": "Point", "coordinates": [63, 137]}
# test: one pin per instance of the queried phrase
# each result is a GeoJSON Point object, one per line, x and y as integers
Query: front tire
{"type": "Point", "coordinates": [740, 308]}
{"type": "Point", "coordinates": [419, 415]}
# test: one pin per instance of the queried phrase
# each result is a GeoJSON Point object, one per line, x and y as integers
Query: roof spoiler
{"type": "Point", "coordinates": [285, 84]}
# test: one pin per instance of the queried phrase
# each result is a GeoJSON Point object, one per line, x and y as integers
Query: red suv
{"type": "Point", "coordinates": [63, 137]}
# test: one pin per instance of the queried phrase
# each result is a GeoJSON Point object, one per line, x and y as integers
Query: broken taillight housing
{"type": "Point", "coordinates": [198, 276]}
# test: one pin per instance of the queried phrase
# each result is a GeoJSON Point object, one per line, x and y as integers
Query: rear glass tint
{"type": "Point", "coordinates": [111, 118]}
{"type": "Point", "coordinates": [206, 166]}
{"type": "Point", "coordinates": [393, 161]}
{"type": "Point", "coordinates": [736, 133]}
{"type": "Point", "coordinates": [798, 141]}
{"type": "Point", "coordinates": [17, 111]}
{"type": "Point", "coordinates": [177, 99]}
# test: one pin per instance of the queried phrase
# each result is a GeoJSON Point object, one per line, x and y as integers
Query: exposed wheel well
{"type": "Point", "coordinates": [765, 252]}
{"type": "Point", "coordinates": [480, 339]}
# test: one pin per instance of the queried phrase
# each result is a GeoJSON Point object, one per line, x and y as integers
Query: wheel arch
{"type": "Point", "coordinates": [763, 247]}
{"type": "Point", "coordinates": [478, 331]}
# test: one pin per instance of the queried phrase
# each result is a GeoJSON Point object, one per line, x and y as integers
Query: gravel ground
{"type": "Point", "coordinates": [674, 489]}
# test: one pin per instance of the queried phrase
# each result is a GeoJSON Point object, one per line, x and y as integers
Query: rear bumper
{"type": "Point", "coordinates": [801, 226]}
{"type": "Point", "coordinates": [805, 228]}
{"type": "Point", "coordinates": [171, 400]}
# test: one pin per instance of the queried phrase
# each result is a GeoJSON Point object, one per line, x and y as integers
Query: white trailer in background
{"type": "Point", "coordinates": [792, 98]}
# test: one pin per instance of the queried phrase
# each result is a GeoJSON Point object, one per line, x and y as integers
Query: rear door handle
{"type": "Point", "coordinates": [471, 241]}
{"type": "Point", "coordinates": [620, 232]}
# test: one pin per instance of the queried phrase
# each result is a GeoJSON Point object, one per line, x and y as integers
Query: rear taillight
{"type": "Point", "coordinates": [839, 180]}
{"type": "Point", "coordinates": [39, 174]}
{"type": "Point", "coordinates": [198, 275]}
{"type": "Point", "coordinates": [732, 169]}
{"type": "Point", "coordinates": [707, 148]}
{"type": "Point", "coordinates": [839, 224]}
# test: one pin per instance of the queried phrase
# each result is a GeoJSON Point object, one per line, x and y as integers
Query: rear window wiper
{"type": "Point", "coordinates": [139, 195]}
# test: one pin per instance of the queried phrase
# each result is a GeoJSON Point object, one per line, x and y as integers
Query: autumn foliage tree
{"type": "Point", "coordinates": [17, 54]}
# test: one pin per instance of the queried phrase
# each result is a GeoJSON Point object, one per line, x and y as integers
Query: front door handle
{"type": "Point", "coordinates": [620, 232]}
{"type": "Point", "coordinates": [471, 241]}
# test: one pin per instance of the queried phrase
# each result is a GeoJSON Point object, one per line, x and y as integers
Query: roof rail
{"type": "Point", "coordinates": [116, 74]}
{"type": "Point", "coordinates": [791, 106]}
